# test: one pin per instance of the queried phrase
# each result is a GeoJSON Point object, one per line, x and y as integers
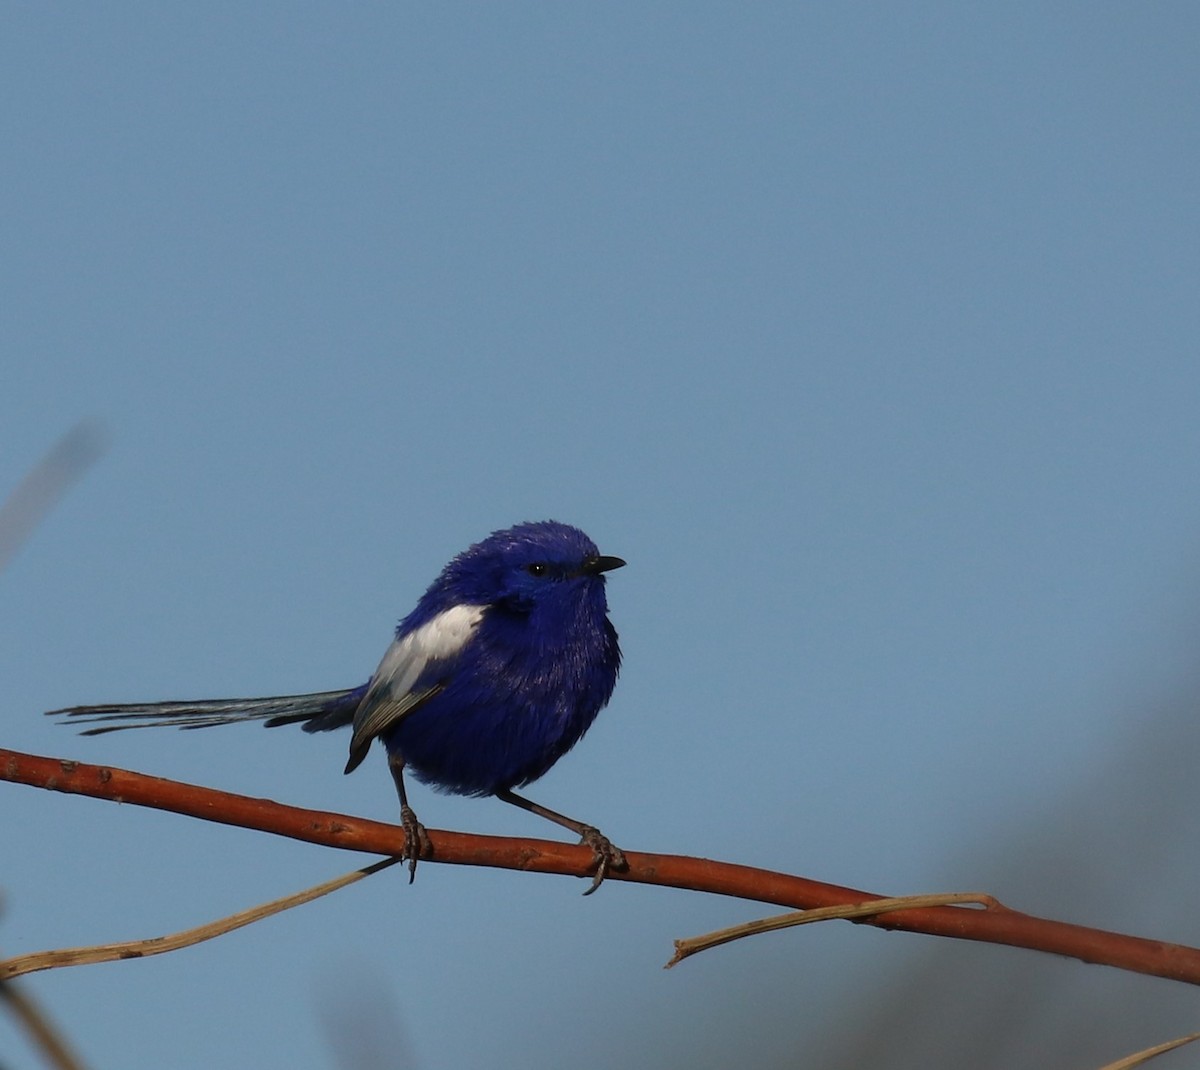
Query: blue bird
{"type": "Point", "coordinates": [499, 671]}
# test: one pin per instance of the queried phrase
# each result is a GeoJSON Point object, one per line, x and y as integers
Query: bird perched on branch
{"type": "Point", "coordinates": [499, 670]}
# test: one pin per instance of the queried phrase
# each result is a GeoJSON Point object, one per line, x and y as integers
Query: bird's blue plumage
{"type": "Point", "coordinates": [538, 667]}
{"type": "Point", "coordinates": [497, 672]}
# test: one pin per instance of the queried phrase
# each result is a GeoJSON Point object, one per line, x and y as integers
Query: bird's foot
{"type": "Point", "coordinates": [606, 856]}
{"type": "Point", "coordinates": [416, 840]}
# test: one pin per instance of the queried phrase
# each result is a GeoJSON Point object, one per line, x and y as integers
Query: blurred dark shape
{"type": "Point", "coordinates": [47, 1038]}
{"type": "Point", "coordinates": [1118, 851]}
{"type": "Point", "coordinates": [1114, 846]}
{"type": "Point", "coordinates": [46, 483]}
{"type": "Point", "coordinates": [363, 1022]}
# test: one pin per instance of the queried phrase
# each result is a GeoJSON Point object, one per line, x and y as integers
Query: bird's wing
{"type": "Point", "coordinates": [415, 667]}
{"type": "Point", "coordinates": [385, 712]}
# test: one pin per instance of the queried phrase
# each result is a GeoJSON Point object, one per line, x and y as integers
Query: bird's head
{"type": "Point", "coordinates": [544, 564]}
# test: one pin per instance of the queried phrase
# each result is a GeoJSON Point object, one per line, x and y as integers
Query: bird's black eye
{"type": "Point", "coordinates": [536, 569]}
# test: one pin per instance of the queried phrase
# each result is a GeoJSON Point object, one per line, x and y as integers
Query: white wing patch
{"type": "Point", "coordinates": [440, 638]}
{"type": "Point", "coordinates": [391, 696]}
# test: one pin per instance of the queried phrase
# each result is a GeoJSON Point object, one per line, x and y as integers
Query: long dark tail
{"type": "Point", "coordinates": [318, 712]}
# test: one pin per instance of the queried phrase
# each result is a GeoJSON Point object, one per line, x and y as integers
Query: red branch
{"type": "Point", "coordinates": [993, 924]}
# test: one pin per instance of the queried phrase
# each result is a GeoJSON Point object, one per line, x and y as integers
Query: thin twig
{"type": "Point", "coordinates": [874, 907]}
{"type": "Point", "coordinates": [997, 924]}
{"type": "Point", "coordinates": [1140, 1057]}
{"type": "Point", "coordinates": [157, 945]}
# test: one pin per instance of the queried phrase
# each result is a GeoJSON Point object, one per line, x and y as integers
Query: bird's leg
{"type": "Point", "coordinates": [607, 856]}
{"type": "Point", "coordinates": [416, 839]}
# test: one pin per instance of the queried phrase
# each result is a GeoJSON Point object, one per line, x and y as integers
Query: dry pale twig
{"type": "Point", "coordinates": [992, 924]}
{"type": "Point", "coordinates": [691, 946]}
{"type": "Point", "coordinates": [1140, 1057]}
{"type": "Point", "coordinates": [157, 945]}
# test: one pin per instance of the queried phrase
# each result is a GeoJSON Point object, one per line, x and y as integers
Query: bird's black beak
{"type": "Point", "coordinates": [593, 566]}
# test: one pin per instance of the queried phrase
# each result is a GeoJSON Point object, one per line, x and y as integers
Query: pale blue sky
{"type": "Point", "coordinates": [869, 337]}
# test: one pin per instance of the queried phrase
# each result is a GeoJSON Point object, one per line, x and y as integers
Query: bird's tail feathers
{"type": "Point", "coordinates": [319, 712]}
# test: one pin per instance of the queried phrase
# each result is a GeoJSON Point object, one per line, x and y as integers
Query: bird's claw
{"type": "Point", "coordinates": [606, 856]}
{"type": "Point", "coordinates": [416, 840]}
